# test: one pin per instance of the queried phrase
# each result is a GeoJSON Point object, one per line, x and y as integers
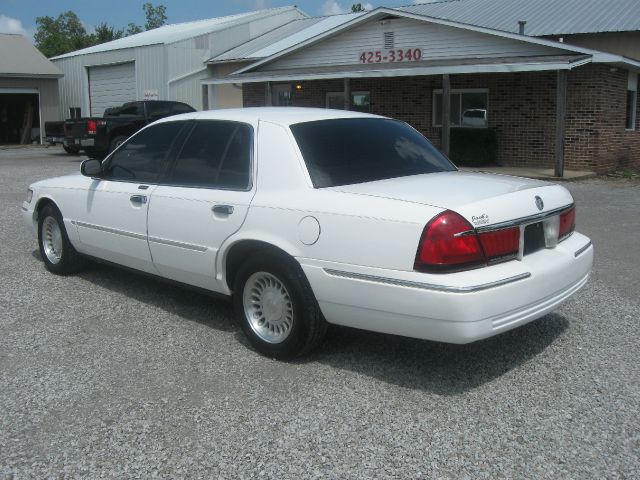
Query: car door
{"type": "Point", "coordinates": [112, 222]}
{"type": "Point", "coordinates": [204, 199]}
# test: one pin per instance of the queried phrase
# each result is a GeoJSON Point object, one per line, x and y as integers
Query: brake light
{"type": "Point", "coordinates": [66, 129]}
{"type": "Point", "coordinates": [567, 222]}
{"type": "Point", "coordinates": [448, 242]}
{"type": "Point", "coordinates": [92, 127]}
{"type": "Point", "coordinates": [501, 243]}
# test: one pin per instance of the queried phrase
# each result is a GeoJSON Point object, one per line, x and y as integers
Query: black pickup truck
{"type": "Point", "coordinates": [100, 136]}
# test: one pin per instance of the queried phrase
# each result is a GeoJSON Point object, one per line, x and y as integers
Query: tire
{"type": "Point", "coordinates": [71, 150]}
{"type": "Point", "coordinates": [276, 309]}
{"type": "Point", "coordinates": [115, 142]}
{"type": "Point", "coordinates": [57, 253]}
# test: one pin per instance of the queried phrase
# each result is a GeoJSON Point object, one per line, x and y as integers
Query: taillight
{"type": "Point", "coordinates": [567, 222]}
{"type": "Point", "coordinates": [501, 243]}
{"type": "Point", "coordinates": [66, 129]}
{"type": "Point", "coordinates": [92, 127]}
{"type": "Point", "coordinates": [448, 242]}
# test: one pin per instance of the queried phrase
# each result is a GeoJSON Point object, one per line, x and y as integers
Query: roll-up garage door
{"type": "Point", "coordinates": [110, 86]}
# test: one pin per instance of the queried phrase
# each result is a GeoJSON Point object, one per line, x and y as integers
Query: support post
{"type": "Point", "coordinates": [267, 94]}
{"type": "Point", "coordinates": [446, 106]}
{"type": "Point", "coordinates": [561, 112]}
{"type": "Point", "coordinates": [347, 94]}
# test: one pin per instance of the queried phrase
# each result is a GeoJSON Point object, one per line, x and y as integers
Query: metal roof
{"type": "Point", "coordinates": [18, 58]}
{"type": "Point", "coordinates": [284, 37]}
{"type": "Point", "coordinates": [178, 31]}
{"type": "Point", "coordinates": [543, 17]}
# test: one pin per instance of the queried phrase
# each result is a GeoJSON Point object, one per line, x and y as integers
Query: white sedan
{"type": "Point", "coordinates": [311, 216]}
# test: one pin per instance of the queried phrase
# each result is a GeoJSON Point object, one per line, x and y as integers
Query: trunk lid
{"type": "Point", "coordinates": [483, 199]}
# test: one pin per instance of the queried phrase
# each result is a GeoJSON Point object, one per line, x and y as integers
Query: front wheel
{"type": "Point", "coordinates": [57, 253]}
{"type": "Point", "coordinates": [276, 308]}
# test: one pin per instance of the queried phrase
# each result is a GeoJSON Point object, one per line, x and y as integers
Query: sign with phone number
{"type": "Point", "coordinates": [391, 56]}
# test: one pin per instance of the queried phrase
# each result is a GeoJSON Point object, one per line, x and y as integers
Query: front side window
{"type": "Point", "coordinates": [217, 154]}
{"type": "Point", "coordinates": [632, 101]}
{"type": "Point", "coordinates": [468, 108]}
{"type": "Point", "coordinates": [356, 150]}
{"type": "Point", "coordinates": [144, 157]}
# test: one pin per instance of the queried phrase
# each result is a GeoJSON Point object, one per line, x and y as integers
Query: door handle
{"type": "Point", "coordinates": [141, 199]}
{"type": "Point", "coordinates": [222, 209]}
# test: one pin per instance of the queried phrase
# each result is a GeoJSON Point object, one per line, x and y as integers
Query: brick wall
{"type": "Point", "coordinates": [522, 109]}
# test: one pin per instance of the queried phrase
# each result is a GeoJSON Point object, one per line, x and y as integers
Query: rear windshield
{"type": "Point", "coordinates": [356, 150]}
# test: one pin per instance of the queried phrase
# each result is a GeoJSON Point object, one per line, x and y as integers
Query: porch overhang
{"type": "Point", "coordinates": [453, 66]}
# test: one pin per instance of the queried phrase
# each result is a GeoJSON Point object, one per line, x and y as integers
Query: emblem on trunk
{"type": "Point", "coordinates": [539, 203]}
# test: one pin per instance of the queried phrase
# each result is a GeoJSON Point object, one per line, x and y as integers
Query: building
{"type": "Point", "coordinates": [28, 91]}
{"type": "Point", "coordinates": [514, 99]}
{"type": "Point", "coordinates": [167, 63]}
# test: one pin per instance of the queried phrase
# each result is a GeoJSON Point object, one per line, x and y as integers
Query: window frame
{"type": "Point", "coordinates": [632, 87]}
{"type": "Point", "coordinates": [276, 88]}
{"type": "Point", "coordinates": [168, 158]}
{"type": "Point", "coordinates": [460, 91]}
{"type": "Point", "coordinates": [178, 151]}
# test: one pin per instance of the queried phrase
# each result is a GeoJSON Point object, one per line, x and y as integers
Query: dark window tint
{"type": "Point", "coordinates": [144, 157]}
{"type": "Point", "coordinates": [156, 110]}
{"type": "Point", "coordinates": [128, 109]}
{"type": "Point", "coordinates": [182, 108]}
{"type": "Point", "coordinates": [357, 150]}
{"type": "Point", "coordinates": [217, 154]}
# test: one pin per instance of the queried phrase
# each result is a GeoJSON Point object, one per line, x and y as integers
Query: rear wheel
{"type": "Point", "coordinates": [71, 150]}
{"type": "Point", "coordinates": [276, 308]}
{"type": "Point", "coordinates": [57, 253]}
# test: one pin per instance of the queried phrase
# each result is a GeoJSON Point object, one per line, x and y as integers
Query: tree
{"type": "Point", "coordinates": [156, 16]}
{"type": "Point", "coordinates": [105, 33]}
{"type": "Point", "coordinates": [357, 7]}
{"type": "Point", "coordinates": [132, 29]}
{"type": "Point", "coordinates": [55, 36]}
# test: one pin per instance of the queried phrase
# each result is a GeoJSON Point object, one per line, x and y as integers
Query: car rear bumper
{"type": "Point", "coordinates": [455, 308]}
{"type": "Point", "coordinates": [27, 217]}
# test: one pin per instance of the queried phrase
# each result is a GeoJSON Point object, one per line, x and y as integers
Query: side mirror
{"type": "Point", "coordinates": [91, 168]}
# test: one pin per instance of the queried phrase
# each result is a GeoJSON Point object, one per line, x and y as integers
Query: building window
{"type": "Point", "coordinates": [281, 95]}
{"type": "Point", "coordinates": [359, 101]}
{"type": "Point", "coordinates": [632, 101]}
{"type": "Point", "coordinates": [468, 108]}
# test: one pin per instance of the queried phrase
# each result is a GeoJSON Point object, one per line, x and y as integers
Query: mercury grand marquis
{"type": "Point", "coordinates": [306, 217]}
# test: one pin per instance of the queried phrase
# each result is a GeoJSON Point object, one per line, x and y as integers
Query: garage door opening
{"type": "Point", "coordinates": [19, 118]}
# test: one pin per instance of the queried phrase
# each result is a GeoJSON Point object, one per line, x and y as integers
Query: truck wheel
{"type": "Point", "coordinates": [57, 253]}
{"type": "Point", "coordinates": [115, 142]}
{"type": "Point", "coordinates": [276, 309]}
{"type": "Point", "coordinates": [71, 150]}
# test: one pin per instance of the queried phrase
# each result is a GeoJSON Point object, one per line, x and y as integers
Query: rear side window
{"type": "Point", "coordinates": [356, 150]}
{"type": "Point", "coordinates": [182, 108]}
{"type": "Point", "coordinates": [143, 158]}
{"type": "Point", "coordinates": [217, 154]}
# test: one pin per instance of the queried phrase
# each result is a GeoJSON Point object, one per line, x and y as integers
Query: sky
{"type": "Point", "coordinates": [19, 16]}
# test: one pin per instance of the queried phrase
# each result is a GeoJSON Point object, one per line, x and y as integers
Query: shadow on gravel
{"type": "Point", "coordinates": [175, 299]}
{"type": "Point", "coordinates": [440, 368]}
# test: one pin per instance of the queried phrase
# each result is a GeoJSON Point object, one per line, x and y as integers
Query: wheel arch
{"type": "Point", "coordinates": [241, 249]}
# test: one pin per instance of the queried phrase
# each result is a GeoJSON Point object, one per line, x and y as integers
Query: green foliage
{"type": "Point", "coordinates": [357, 7]}
{"type": "Point", "coordinates": [156, 16]}
{"type": "Point", "coordinates": [105, 33]}
{"type": "Point", "coordinates": [64, 34]}
{"type": "Point", "coordinates": [473, 147]}
{"type": "Point", "coordinates": [55, 36]}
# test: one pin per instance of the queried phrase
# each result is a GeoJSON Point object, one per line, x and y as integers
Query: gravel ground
{"type": "Point", "coordinates": [112, 375]}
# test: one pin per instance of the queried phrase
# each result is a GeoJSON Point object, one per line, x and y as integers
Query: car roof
{"type": "Point", "coordinates": [278, 115]}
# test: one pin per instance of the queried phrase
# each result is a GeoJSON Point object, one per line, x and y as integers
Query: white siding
{"type": "Point", "coordinates": [437, 42]}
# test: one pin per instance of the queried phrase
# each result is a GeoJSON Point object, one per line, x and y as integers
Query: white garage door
{"type": "Point", "coordinates": [110, 86]}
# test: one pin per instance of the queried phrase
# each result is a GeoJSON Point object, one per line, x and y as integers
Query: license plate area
{"type": "Point", "coordinates": [534, 239]}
